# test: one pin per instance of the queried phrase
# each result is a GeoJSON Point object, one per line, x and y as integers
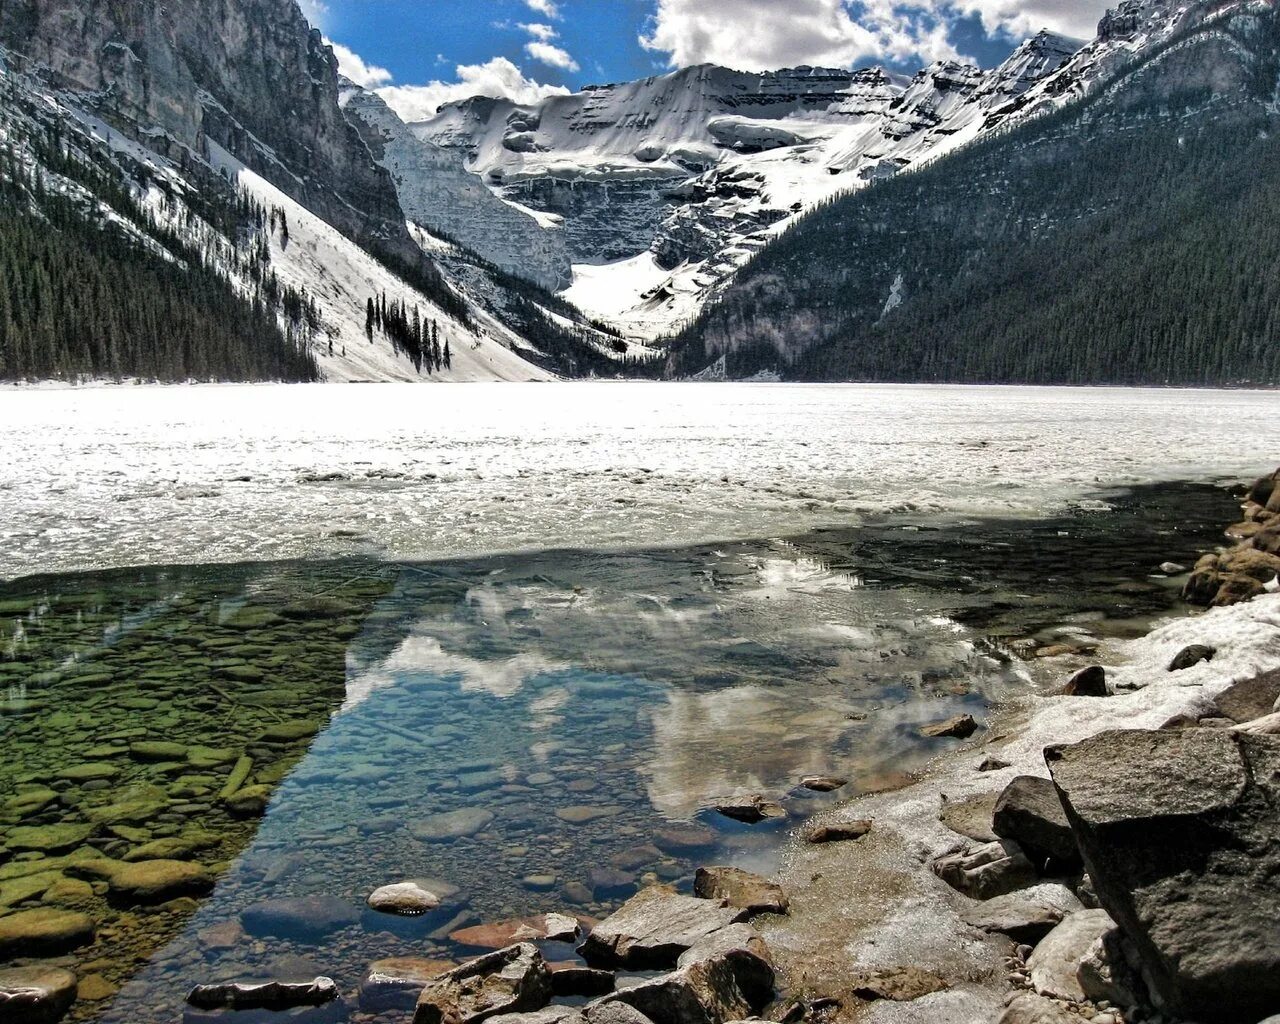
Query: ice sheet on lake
{"type": "Point", "coordinates": [127, 475]}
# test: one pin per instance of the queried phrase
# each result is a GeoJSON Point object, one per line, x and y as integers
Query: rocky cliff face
{"type": "Point", "coordinates": [250, 75]}
{"type": "Point", "coordinates": [688, 174]}
{"type": "Point", "coordinates": [437, 192]}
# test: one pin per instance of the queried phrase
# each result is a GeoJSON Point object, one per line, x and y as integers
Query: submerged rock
{"type": "Point", "coordinates": [270, 995]}
{"type": "Point", "coordinates": [300, 916]}
{"type": "Point", "coordinates": [1181, 836]}
{"type": "Point", "coordinates": [500, 934]}
{"type": "Point", "coordinates": [835, 831]}
{"type": "Point", "coordinates": [396, 982]}
{"type": "Point", "coordinates": [679, 840]}
{"type": "Point", "coordinates": [742, 889]}
{"type": "Point", "coordinates": [452, 825]}
{"type": "Point", "coordinates": [653, 928]}
{"type": "Point", "coordinates": [971, 816]}
{"type": "Point", "coordinates": [43, 932]}
{"type": "Point", "coordinates": [35, 995]}
{"type": "Point", "coordinates": [46, 838]}
{"type": "Point", "coordinates": [898, 984]}
{"type": "Point", "coordinates": [511, 980]}
{"type": "Point", "coordinates": [149, 881]}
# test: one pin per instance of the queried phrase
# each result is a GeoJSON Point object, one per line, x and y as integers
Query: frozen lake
{"type": "Point", "coordinates": [115, 476]}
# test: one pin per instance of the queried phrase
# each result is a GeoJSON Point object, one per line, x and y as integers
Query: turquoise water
{"type": "Point", "coordinates": [588, 710]}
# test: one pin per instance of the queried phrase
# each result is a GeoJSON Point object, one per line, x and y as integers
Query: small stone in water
{"type": "Point", "coordinates": [539, 883]}
{"type": "Point", "coordinates": [405, 898]}
{"type": "Point", "coordinates": [824, 783]}
{"type": "Point", "coordinates": [961, 727]}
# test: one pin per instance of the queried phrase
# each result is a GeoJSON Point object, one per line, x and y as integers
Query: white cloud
{"type": "Point", "coordinates": [547, 8]}
{"type": "Point", "coordinates": [498, 77]}
{"type": "Point", "coordinates": [759, 35]}
{"type": "Point", "coordinates": [351, 64]}
{"type": "Point", "coordinates": [1019, 18]}
{"type": "Point", "coordinates": [551, 55]}
{"type": "Point", "coordinates": [316, 12]}
{"type": "Point", "coordinates": [539, 31]}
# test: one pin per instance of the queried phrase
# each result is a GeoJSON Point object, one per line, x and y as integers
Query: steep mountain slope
{"type": "Point", "coordinates": [436, 191]}
{"type": "Point", "coordinates": [177, 72]}
{"type": "Point", "coordinates": [210, 271]}
{"type": "Point", "coordinates": [1124, 228]}
{"type": "Point", "coordinates": [666, 185]}
{"type": "Point", "coordinates": [206, 138]}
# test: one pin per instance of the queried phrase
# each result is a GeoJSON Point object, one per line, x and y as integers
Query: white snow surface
{"type": "Point", "coordinates": [109, 476]}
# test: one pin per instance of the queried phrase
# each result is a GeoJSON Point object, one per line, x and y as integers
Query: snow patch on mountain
{"type": "Point", "coordinates": [668, 184]}
{"type": "Point", "coordinates": [341, 277]}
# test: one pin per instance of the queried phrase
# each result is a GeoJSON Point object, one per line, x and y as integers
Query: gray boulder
{"type": "Point", "coordinates": [511, 980]}
{"type": "Point", "coordinates": [1181, 836]}
{"type": "Point", "coordinates": [547, 1015]}
{"type": "Point", "coordinates": [1026, 916]}
{"type": "Point", "coordinates": [742, 889]}
{"type": "Point", "coordinates": [1054, 966]}
{"type": "Point", "coordinates": [1249, 699]}
{"type": "Point", "coordinates": [728, 986]}
{"type": "Point", "coordinates": [35, 995]}
{"type": "Point", "coordinates": [754, 962]}
{"type": "Point", "coordinates": [654, 927]}
{"type": "Point", "coordinates": [991, 869]}
{"type": "Point", "coordinates": [1030, 812]}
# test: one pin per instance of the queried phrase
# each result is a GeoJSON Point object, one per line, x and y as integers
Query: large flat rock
{"type": "Point", "coordinates": [1180, 832]}
{"type": "Point", "coordinates": [654, 927]}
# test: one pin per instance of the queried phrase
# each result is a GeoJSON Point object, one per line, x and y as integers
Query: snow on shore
{"type": "Point", "coordinates": [878, 904]}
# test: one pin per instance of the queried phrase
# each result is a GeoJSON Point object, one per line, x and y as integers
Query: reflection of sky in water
{"type": "Point", "coordinates": [643, 687]}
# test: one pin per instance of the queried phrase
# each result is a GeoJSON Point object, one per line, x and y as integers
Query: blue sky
{"type": "Point", "coordinates": [420, 53]}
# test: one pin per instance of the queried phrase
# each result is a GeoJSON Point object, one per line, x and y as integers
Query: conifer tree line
{"type": "Point", "coordinates": [1131, 238]}
{"type": "Point", "coordinates": [88, 294]}
{"type": "Point", "coordinates": [412, 334]}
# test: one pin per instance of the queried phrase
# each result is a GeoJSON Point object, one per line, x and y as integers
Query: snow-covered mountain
{"type": "Point", "coordinates": [664, 186]}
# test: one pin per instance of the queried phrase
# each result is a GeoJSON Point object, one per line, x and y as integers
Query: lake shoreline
{"type": "Point", "coordinates": [878, 904]}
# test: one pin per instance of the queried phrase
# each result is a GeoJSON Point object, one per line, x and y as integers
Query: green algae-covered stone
{"type": "Point", "coordinates": [47, 838]}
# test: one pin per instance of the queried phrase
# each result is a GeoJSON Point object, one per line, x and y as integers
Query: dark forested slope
{"type": "Point", "coordinates": [1131, 237]}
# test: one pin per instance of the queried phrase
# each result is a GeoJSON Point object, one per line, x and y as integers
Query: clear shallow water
{"type": "Point", "coordinates": [595, 705]}
{"type": "Point", "coordinates": [131, 475]}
